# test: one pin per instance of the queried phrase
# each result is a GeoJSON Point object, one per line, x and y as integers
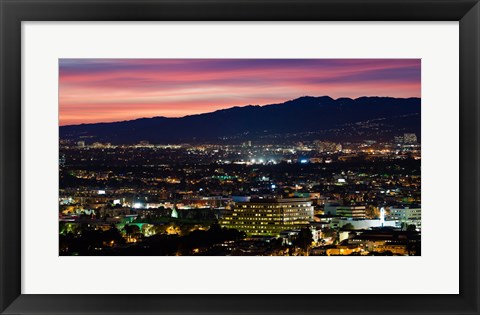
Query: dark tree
{"type": "Point", "coordinates": [348, 226]}
{"type": "Point", "coordinates": [304, 239]}
{"type": "Point", "coordinates": [411, 228]}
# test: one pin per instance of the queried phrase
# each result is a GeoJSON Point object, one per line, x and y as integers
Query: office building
{"type": "Point", "coordinates": [410, 138]}
{"type": "Point", "coordinates": [269, 217]}
{"type": "Point", "coordinates": [353, 212]}
{"type": "Point", "coordinates": [405, 216]}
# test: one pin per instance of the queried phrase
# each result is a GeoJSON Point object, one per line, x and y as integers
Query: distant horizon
{"type": "Point", "coordinates": [109, 90]}
{"type": "Point", "coordinates": [236, 106]}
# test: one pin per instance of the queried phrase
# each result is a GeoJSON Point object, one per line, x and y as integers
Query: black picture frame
{"type": "Point", "coordinates": [13, 12]}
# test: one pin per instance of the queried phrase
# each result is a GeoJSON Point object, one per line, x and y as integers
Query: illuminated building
{"type": "Point", "coordinates": [407, 216]}
{"type": "Point", "coordinates": [354, 212]}
{"type": "Point", "coordinates": [325, 146]}
{"type": "Point", "coordinates": [269, 217]}
{"type": "Point", "coordinates": [398, 140]}
{"type": "Point", "coordinates": [383, 240]}
{"type": "Point", "coordinates": [361, 224]}
{"type": "Point", "coordinates": [410, 138]}
{"type": "Point", "coordinates": [330, 208]}
{"type": "Point", "coordinates": [344, 250]}
{"type": "Point", "coordinates": [62, 160]}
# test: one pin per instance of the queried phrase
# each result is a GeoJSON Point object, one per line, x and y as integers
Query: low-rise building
{"type": "Point", "coordinates": [352, 211]}
{"type": "Point", "coordinates": [407, 215]}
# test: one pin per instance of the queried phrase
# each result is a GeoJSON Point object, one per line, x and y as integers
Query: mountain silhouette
{"type": "Point", "coordinates": [324, 118]}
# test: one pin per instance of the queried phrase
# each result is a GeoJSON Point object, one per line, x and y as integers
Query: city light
{"type": "Point", "coordinates": [190, 169]}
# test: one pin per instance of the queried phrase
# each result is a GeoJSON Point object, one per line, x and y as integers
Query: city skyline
{"type": "Point", "coordinates": [326, 163]}
{"type": "Point", "coordinates": [109, 90]}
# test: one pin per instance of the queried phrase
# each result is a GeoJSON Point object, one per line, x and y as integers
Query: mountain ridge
{"type": "Point", "coordinates": [300, 115]}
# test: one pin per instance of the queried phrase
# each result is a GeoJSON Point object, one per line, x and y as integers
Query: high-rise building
{"type": "Point", "coordinates": [62, 160]}
{"type": "Point", "coordinates": [269, 217]}
{"type": "Point", "coordinates": [410, 138]}
{"type": "Point", "coordinates": [247, 143]}
{"type": "Point", "coordinates": [399, 140]}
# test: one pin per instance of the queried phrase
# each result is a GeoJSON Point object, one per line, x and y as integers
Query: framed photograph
{"type": "Point", "coordinates": [239, 157]}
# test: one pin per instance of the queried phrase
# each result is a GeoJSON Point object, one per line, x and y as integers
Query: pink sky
{"type": "Point", "coordinates": [106, 90]}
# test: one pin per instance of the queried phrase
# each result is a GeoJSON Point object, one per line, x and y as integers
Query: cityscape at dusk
{"type": "Point", "coordinates": [240, 157]}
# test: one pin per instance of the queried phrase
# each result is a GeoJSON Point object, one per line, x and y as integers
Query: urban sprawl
{"type": "Point", "coordinates": [310, 198]}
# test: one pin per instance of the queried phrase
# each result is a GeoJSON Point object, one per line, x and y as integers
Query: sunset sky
{"type": "Point", "coordinates": [106, 90]}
